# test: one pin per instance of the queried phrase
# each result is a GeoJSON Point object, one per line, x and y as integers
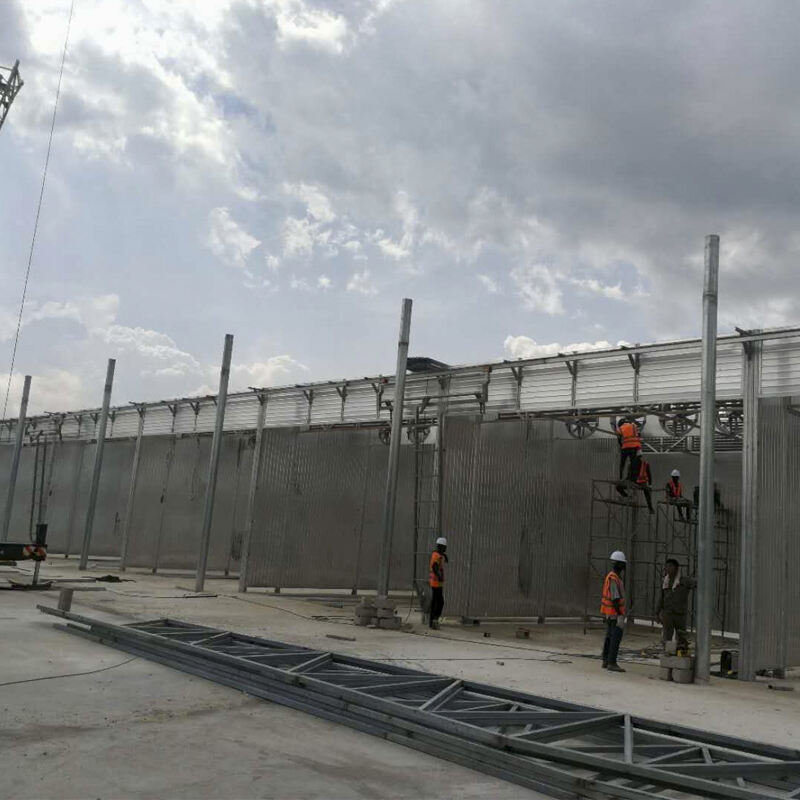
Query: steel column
{"type": "Point", "coordinates": [390, 501]}
{"type": "Point", "coordinates": [213, 464]}
{"type": "Point", "coordinates": [708, 416]}
{"type": "Point", "coordinates": [98, 464]}
{"type": "Point", "coordinates": [19, 434]}
{"type": "Point", "coordinates": [126, 524]}
{"type": "Point", "coordinates": [255, 476]}
{"type": "Point", "coordinates": [751, 382]}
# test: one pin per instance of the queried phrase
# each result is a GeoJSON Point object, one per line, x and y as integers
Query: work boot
{"type": "Point", "coordinates": [605, 665]}
{"type": "Point", "coordinates": [614, 668]}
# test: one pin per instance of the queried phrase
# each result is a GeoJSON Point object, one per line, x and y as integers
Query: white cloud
{"type": "Point", "coordinates": [361, 283]}
{"type": "Point", "coordinates": [227, 240]}
{"type": "Point", "coordinates": [324, 282]}
{"type": "Point", "coordinates": [298, 237]}
{"type": "Point", "coordinates": [297, 23]}
{"type": "Point", "coordinates": [151, 345]}
{"type": "Point", "coordinates": [317, 204]}
{"type": "Point", "coordinates": [591, 285]}
{"type": "Point", "coordinates": [273, 262]}
{"type": "Point", "coordinates": [538, 287]}
{"type": "Point", "coordinates": [90, 312]}
{"type": "Point", "coordinates": [51, 390]}
{"type": "Point", "coordinates": [525, 347]}
{"type": "Point", "coordinates": [489, 284]}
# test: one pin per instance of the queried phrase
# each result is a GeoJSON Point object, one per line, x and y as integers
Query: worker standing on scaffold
{"type": "Point", "coordinates": [630, 444]}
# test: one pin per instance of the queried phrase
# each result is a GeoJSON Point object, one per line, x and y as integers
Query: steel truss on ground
{"type": "Point", "coordinates": [561, 749]}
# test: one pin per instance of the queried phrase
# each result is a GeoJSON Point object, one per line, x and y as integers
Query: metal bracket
{"type": "Point", "coordinates": [572, 366]}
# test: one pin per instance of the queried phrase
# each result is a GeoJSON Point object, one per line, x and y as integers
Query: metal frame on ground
{"type": "Point", "coordinates": [562, 749]}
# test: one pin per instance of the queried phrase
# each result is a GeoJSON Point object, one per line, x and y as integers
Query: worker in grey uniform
{"type": "Point", "coordinates": [674, 603]}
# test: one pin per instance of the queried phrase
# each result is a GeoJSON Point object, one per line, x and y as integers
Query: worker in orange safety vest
{"type": "Point", "coordinates": [644, 480]}
{"type": "Point", "coordinates": [612, 607]}
{"type": "Point", "coordinates": [436, 581]}
{"type": "Point", "coordinates": [630, 444]}
{"type": "Point", "coordinates": [674, 494]}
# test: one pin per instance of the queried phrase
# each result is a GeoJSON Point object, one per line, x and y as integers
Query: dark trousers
{"type": "Point", "coordinates": [611, 644]}
{"type": "Point", "coordinates": [437, 603]}
{"type": "Point", "coordinates": [674, 623]}
{"type": "Point", "coordinates": [648, 497]}
{"type": "Point", "coordinates": [628, 455]}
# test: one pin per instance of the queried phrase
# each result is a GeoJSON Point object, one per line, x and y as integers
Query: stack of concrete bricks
{"type": "Point", "coordinates": [378, 611]}
{"type": "Point", "coordinates": [679, 669]}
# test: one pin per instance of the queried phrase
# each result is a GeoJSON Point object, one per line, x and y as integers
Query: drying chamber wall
{"type": "Point", "coordinates": [319, 507]}
{"type": "Point", "coordinates": [516, 514]}
{"type": "Point", "coordinates": [777, 546]}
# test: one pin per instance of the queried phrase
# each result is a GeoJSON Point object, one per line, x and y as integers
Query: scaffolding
{"type": "Point", "coordinates": [648, 540]}
{"type": "Point", "coordinates": [10, 84]}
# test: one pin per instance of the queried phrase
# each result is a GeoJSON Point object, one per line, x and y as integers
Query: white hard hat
{"type": "Point", "coordinates": [618, 555]}
{"type": "Point", "coordinates": [676, 473]}
{"type": "Point", "coordinates": [442, 540]}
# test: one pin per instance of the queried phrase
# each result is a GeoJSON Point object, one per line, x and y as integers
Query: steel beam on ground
{"type": "Point", "coordinates": [98, 465]}
{"type": "Point", "coordinates": [19, 435]}
{"type": "Point", "coordinates": [213, 465]}
{"type": "Point", "coordinates": [708, 421]}
{"type": "Point", "coordinates": [584, 772]}
{"type": "Point", "coordinates": [390, 499]}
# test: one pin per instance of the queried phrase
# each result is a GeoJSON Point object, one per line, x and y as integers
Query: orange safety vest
{"type": "Point", "coordinates": [674, 489]}
{"type": "Point", "coordinates": [433, 581]}
{"type": "Point", "coordinates": [643, 476]}
{"type": "Point", "coordinates": [629, 431]}
{"type": "Point", "coordinates": [606, 603]}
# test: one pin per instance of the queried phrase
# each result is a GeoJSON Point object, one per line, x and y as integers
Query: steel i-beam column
{"type": "Point", "coordinates": [390, 501]}
{"type": "Point", "coordinates": [20, 433]}
{"type": "Point", "coordinates": [751, 383]}
{"type": "Point", "coordinates": [98, 464]}
{"type": "Point", "coordinates": [126, 525]}
{"type": "Point", "coordinates": [255, 475]}
{"type": "Point", "coordinates": [708, 416]}
{"type": "Point", "coordinates": [213, 464]}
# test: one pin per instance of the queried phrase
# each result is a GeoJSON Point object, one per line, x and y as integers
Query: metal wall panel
{"type": "Point", "coordinates": [546, 388]}
{"type": "Point", "coordinates": [780, 368]}
{"type": "Point", "coordinates": [605, 382]}
{"type": "Point", "coordinates": [776, 549]}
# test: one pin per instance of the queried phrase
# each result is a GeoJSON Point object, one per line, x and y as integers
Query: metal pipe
{"type": "Point", "coordinates": [20, 433]}
{"type": "Point", "coordinates": [213, 464]}
{"type": "Point", "coordinates": [98, 464]}
{"type": "Point", "coordinates": [708, 414]}
{"type": "Point", "coordinates": [126, 524]}
{"type": "Point", "coordinates": [255, 476]}
{"type": "Point", "coordinates": [390, 500]}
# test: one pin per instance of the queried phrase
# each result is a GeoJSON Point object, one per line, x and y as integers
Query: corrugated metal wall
{"type": "Point", "coordinates": [777, 548]}
{"type": "Point", "coordinates": [319, 510]}
{"type": "Point", "coordinates": [516, 514]}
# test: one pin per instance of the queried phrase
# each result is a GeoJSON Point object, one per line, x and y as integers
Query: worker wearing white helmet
{"type": "Point", "coordinates": [674, 494]}
{"type": "Point", "coordinates": [612, 607]}
{"type": "Point", "coordinates": [436, 581]}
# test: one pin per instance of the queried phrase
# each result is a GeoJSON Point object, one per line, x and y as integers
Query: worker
{"type": "Point", "coordinates": [436, 581]}
{"type": "Point", "coordinates": [674, 494]}
{"type": "Point", "coordinates": [612, 607]}
{"type": "Point", "coordinates": [644, 480]}
{"type": "Point", "coordinates": [630, 444]}
{"type": "Point", "coordinates": [674, 604]}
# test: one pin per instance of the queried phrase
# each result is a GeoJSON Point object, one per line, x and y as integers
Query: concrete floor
{"type": "Point", "coordinates": [139, 730]}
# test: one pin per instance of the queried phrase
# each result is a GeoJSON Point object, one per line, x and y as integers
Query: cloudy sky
{"type": "Point", "coordinates": [533, 174]}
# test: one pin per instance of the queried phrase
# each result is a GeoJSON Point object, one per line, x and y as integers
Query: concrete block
{"type": "Point", "coordinates": [389, 623]}
{"type": "Point", "coordinates": [365, 612]}
{"type": "Point", "coordinates": [664, 674]}
{"type": "Point", "coordinates": [65, 599]}
{"type": "Point", "coordinates": [671, 648]}
{"type": "Point", "coordinates": [683, 675]}
{"type": "Point", "coordinates": [677, 662]}
{"type": "Point", "coordinates": [384, 602]}
{"type": "Point", "coordinates": [523, 633]}
{"type": "Point", "coordinates": [363, 621]}
{"type": "Point", "coordinates": [384, 613]}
